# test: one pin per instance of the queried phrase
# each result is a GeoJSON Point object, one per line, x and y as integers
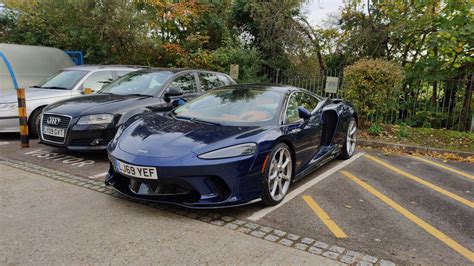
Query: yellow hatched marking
{"type": "Point", "coordinates": [330, 224]}
{"type": "Point", "coordinates": [415, 219]}
{"type": "Point", "coordinates": [22, 112]}
{"type": "Point", "coordinates": [423, 182]}
{"type": "Point", "coordinates": [443, 167]}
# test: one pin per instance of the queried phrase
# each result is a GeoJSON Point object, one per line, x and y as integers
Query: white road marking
{"type": "Point", "coordinates": [98, 175]}
{"type": "Point", "coordinates": [4, 143]}
{"type": "Point", "coordinates": [263, 212]}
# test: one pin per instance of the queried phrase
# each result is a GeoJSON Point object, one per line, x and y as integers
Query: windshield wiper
{"type": "Point", "coordinates": [138, 94]}
{"type": "Point", "coordinates": [55, 88]}
{"type": "Point", "coordinates": [194, 119]}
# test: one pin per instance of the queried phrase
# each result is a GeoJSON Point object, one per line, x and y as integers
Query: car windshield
{"type": "Point", "coordinates": [234, 106]}
{"type": "Point", "coordinates": [140, 82]}
{"type": "Point", "coordinates": [64, 80]}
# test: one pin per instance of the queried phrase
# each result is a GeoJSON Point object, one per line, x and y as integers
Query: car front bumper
{"type": "Point", "coordinates": [199, 184]}
{"type": "Point", "coordinates": [83, 137]}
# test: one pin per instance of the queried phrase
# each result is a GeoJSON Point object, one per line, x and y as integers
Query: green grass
{"type": "Point", "coordinates": [434, 138]}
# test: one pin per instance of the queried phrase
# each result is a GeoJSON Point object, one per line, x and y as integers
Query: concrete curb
{"type": "Point", "coordinates": [411, 148]}
{"type": "Point", "coordinates": [336, 253]}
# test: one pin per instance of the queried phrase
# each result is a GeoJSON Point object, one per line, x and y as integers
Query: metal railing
{"type": "Point", "coordinates": [421, 103]}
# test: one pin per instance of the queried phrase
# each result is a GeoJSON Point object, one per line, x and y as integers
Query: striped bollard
{"type": "Point", "coordinates": [22, 114]}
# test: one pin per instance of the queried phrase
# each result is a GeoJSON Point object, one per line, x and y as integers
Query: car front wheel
{"type": "Point", "coordinates": [277, 175]}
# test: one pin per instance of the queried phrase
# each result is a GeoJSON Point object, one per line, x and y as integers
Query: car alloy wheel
{"type": "Point", "coordinates": [351, 137]}
{"type": "Point", "coordinates": [279, 173]}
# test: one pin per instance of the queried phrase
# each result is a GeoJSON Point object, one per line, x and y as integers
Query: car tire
{"type": "Point", "coordinates": [278, 174]}
{"type": "Point", "coordinates": [348, 149]}
{"type": "Point", "coordinates": [34, 123]}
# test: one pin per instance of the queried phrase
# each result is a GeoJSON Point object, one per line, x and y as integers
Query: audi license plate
{"type": "Point", "coordinates": [52, 131]}
{"type": "Point", "coordinates": [137, 171]}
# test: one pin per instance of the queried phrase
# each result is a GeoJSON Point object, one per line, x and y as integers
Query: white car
{"type": "Point", "coordinates": [68, 83]}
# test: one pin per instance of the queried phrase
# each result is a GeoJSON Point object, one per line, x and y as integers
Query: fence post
{"type": "Point", "coordinates": [277, 73]}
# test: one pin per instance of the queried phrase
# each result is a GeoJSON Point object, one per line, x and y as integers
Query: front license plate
{"type": "Point", "coordinates": [137, 171]}
{"type": "Point", "coordinates": [52, 131]}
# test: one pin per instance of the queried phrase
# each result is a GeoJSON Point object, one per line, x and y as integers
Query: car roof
{"type": "Point", "coordinates": [97, 67]}
{"type": "Point", "coordinates": [178, 70]}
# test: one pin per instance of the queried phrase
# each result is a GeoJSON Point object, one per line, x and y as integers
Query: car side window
{"type": "Point", "coordinates": [97, 80]}
{"type": "Point", "coordinates": [186, 82]}
{"type": "Point", "coordinates": [120, 73]}
{"type": "Point", "coordinates": [224, 79]}
{"type": "Point", "coordinates": [210, 81]}
{"type": "Point", "coordinates": [299, 99]}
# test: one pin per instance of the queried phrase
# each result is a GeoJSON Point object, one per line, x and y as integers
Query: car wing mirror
{"type": "Point", "coordinates": [304, 113]}
{"type": "Point", "coordinates": [173, 92]}
{"type": "Point", "coordinates": [86, 91]}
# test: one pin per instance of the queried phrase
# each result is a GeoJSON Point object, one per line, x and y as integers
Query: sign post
{"type": "Point", "coordinates": [234, 71]}
{"type": "Point", "coordinates": [331, 84]}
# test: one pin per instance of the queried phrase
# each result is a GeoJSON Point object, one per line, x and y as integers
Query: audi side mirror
{"type": "Point", "coordinates": [173, 92]}
{"type": "Point", "coordinates": [304, 113]}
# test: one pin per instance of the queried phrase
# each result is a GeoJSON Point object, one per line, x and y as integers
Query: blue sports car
{"type": "Point", "coordinates": [233, 145]}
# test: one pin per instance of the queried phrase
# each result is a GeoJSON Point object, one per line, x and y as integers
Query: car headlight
{"type": "Point", "coordinates": [100, 119]}
{"type": "Point", "coordinates": [232, 151]}
{"type": "Point", "coordinates": [7, 106]}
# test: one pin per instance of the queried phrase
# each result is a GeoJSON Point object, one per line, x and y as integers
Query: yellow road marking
{"type": "Point", "coordinates": [415, 219]}
{"type": "Point", "coordinates": [443, 167]}
{"type": "Point", "coordinates": [423, 182]}
{"type": "Point", "coordinates": [330, 224]}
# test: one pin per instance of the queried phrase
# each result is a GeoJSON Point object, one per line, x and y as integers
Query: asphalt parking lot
{"type": "Point", "coordinates": [402, 208]}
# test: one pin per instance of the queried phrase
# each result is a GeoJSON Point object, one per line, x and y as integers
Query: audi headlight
{"type": "Point", "coordinates": [101, 119]}
{"type": "Point", "coordinates": [7, 106]}
{"type": "Point", "coordinates": [232, 151]}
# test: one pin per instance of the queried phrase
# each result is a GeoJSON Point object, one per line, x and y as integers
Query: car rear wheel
{"type": "Point", "coordinates": [277, 175]}
{"type": "Point", "coordinates": [349, 146]}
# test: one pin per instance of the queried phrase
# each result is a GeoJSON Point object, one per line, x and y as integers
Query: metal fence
{"type": "Point", "coordinates": [435, 104]}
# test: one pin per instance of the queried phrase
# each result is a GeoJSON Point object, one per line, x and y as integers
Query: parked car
{"type": "Point", "coordinates": [231, 146]}
{"type": "Point", "coordinates": [90, 122]}
{"type": "Point", "coordinates": [66, 84]}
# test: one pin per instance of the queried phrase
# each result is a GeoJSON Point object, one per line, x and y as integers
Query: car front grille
{"type": "Point", "coordinates": [63, 123]}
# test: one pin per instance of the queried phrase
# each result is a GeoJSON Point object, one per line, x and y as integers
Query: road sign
{"type": "Point", "coordinates": [331, 84]}
{"type": "Point", "coordinates": [234, 71]}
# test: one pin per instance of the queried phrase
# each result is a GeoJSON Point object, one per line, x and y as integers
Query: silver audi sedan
{"type": "Point", "coordinates": [68, 83]}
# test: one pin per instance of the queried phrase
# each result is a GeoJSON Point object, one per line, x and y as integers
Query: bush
{"type": "Point", "coordinates": [375, 129]}
{"type": "Point", "coordinates": [373, 86]}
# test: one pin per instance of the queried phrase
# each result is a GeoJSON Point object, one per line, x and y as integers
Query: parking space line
{"type": "Point", "coordinates": [98, 175]}
{"type": "Point", "coordinates": [324, 217]}
{"type": "Point", "coordinates": [263, 212]}
{"type": "Point", "coordinates": [423, 182]}
{"type": "Point", "coordinates": [415, 219]}
{"type": "Point", "coordinates": [443, 167]}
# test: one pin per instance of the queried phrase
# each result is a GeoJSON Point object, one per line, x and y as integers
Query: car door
{"type": "Point", "coordinates": [306, 133]}
{"type": "Point", "coordinates": [188, 83]}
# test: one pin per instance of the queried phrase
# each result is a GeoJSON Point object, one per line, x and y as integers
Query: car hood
{"type": "Point", "coordinates": [161, 136]}
{"type": "Point", "coordinates": [32, 94]}
{"type": "Point", "coordinates": [98, 104]}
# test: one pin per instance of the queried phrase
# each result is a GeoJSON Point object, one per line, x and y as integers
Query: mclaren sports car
{"type": "Point", "coordinates": [231, 146]}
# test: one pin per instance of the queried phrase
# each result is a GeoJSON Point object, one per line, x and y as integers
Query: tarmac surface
{"type": "Point", "coordinates": [399, 208]}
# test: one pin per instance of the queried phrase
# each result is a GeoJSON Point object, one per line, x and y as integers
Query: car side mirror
{"type": "Point", "coordinates": [86, 91]}
{"type": "Point", "coordinates": [304, 113]}
{"type": "Point", "coordinates": [173, 92]}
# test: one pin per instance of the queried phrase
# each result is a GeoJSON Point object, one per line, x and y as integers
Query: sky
{"type": "Point", "coordinates": [318, 10]}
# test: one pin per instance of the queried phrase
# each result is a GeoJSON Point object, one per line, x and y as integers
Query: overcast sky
{"type": "Point", "coordinates": [318, 11]}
